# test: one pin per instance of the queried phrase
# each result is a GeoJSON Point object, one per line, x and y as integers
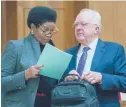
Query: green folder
{"type": "Point", "coordinates": [55, 62]}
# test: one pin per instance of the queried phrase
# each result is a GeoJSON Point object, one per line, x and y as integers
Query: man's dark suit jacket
{"type": "Point", "coordinates": [109, 59]}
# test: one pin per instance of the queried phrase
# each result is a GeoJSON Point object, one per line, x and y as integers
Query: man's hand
{"type": "Point", "coordinates": [92, 77]}
{"type": "Point", "coordinates": [33, 71]}
{"type": "Point", "coordinates": [72, 77]}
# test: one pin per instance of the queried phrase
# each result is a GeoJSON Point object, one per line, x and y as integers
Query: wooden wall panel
{"type": "Point", "coordinates": [113, 19]}
{"type": "Point", "coordinates": [59, 38]}
{"type": "Point", "coordinates": [12, 20]}
{"type": "Point", "coordinates": [9, 22]}
{"type": "Point", "coordinates": [3, 25]}
{"type": "Point", "coordinates": [79, 5]}
{"type": "Point", "coordinates": [120, 23]}
{"type": "Point", "coordinates": [68, 22]}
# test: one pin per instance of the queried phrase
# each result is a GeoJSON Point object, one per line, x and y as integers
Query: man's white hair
{"type": "Point", "coordinates": [96, 17]}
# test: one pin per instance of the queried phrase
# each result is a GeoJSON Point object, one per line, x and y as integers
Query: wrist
{"type": "Point", "coordinates": [100, 81]}
{"type": "Point", "coordinates": [26, 75]}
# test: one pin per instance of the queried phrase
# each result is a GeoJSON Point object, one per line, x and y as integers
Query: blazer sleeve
{"type": "Point", "coordinates": [10, 78]}
{"type": "Point", "coordinates": [116, 81]}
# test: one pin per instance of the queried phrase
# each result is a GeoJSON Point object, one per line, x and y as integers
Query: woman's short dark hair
{"type": "Point", "coordinates": [40, 14]}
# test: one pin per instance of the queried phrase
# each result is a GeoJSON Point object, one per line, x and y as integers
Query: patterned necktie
{"type": "Point", "coordinates": [82, 61]}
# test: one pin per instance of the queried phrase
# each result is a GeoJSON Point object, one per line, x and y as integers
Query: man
{"type": "Point", "coordinates": [98, 62]}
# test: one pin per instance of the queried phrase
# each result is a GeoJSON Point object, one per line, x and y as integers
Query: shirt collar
{"type": "Point", "coordinates": [92, 45]}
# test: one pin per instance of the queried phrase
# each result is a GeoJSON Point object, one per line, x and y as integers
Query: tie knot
{"type": "Point", "coordinates": [85, 49]}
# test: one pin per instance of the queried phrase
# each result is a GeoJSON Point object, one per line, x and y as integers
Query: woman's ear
{"type": "Point", "coordinates": [32, 28]}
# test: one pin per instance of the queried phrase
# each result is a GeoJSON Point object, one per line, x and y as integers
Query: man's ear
{"type": "Point", "coordinates": [97, 29]}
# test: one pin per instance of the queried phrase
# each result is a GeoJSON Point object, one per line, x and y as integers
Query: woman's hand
{"type": "Point", "coordinates": [33, 71]}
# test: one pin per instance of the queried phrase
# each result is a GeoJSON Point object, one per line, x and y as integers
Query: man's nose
{"type": "Point", "coordinates": [78, 28]}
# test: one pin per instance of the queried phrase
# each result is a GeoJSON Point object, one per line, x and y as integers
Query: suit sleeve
{"type": "Point", "coordinates": [11, 79]}
{"type": "Point", "coordinates": [116, 81]}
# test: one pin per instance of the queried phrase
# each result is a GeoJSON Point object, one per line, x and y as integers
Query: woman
{"type": "Point", "coordinates": [21, 84]}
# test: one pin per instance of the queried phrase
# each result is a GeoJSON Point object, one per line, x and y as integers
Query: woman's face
{"type": "Point", "coordinates": [45, 32]}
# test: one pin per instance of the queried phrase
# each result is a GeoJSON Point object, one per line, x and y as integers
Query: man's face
{"type": "Point", "coordinates": [45, 32]}
{"type": "Point", "coordinates": [84, 29]}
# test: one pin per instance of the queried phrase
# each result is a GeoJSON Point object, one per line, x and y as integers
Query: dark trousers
{"type": "Point", "coordinates": [42, 101]}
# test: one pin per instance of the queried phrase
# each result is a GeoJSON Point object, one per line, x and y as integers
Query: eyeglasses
{"type": "Point", "coordinates": [80, 23]}
{"type": "Point", "coordinates": [47, 32]}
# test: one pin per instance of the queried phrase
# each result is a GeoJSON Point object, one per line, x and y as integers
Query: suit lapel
{"type": "Point", "coordinates": [99, 52]}
{"type": "Point", "coordinates": [35, 46]}
{"type": "Point", "coordinates": [74, 58]}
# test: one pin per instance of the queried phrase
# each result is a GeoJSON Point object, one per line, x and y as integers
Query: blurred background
{"type": "Point", "coordinates": [14, 17]}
